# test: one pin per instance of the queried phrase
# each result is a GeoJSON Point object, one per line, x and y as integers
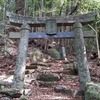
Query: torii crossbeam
{"type": "Point", "coordinates": [51, 24]}
{"type": "Point", "coordinates": [84, 19]}
{"type": "Point", "coordinates": [18, 20]}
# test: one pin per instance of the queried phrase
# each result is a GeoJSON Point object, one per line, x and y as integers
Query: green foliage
{"type": "Point", "coordinates": [1, 2]}
{"type": "Point", "coordinates": [50, 6]}
{"type": "Point", "coordinates": [89, 5]}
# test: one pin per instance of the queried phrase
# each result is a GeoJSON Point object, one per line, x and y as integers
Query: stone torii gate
{"type": "Point", "coordinates": [51, 24]}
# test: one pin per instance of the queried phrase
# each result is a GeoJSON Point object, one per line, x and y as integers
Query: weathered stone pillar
{"type": "Point", "coordinates": [20, 67]}
{"type": "Point", "coordinates": [83, 70]}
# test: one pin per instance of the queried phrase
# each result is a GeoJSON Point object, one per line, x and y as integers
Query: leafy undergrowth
{"type": "Point", "coordinates": [40, 90]}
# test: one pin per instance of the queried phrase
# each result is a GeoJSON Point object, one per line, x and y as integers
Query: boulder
{"type": "Point", "coordinates": [54, 53]}
{"type": "Point", "coordinates": [36, 55]}
{"type": "Point", "coordinates": [92, 91]}
{"type": "Point", "coordinates": [44, 84]}
{"type": "Point", "coordinates": [23, 97]}
{"type": "Point", "coordinates": [5, 98]}
{"type": "Point", "coordinates": [46, 76]}
{"type": "Point", "coordinates": [63, 89]}
{"type": "Point", "coordinates": [71, 68]}
{"type": "Point", "coordinates": [13, 93]}
{"type": "Point", "coordinates": [60, 88]}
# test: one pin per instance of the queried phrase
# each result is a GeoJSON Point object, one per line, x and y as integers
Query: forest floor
{"type": "Point", "coordinates": [66, 88]}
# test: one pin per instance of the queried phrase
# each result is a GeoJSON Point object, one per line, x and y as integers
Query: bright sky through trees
{"type": "Point", "coordinates": [97, 0]}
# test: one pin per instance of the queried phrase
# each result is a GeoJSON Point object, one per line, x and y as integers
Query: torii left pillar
{"type": "Point", "coordinates": [19, 74]}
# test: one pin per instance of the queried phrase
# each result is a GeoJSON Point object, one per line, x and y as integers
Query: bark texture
{"type": "Point", "coordinates": [20, 6]}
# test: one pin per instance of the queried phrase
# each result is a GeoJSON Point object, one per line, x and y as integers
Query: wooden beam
{"type": "Point", "coordinates": [36, 35]}
{"type": "Point", "coordinates": [16, 19]}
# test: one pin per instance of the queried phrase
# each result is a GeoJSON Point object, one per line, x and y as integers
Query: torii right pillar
{"type": "Point", "coordinates": [80, 49]}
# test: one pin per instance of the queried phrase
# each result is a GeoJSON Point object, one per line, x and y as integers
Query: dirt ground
{"type": "Point", "coordinates": [66, 71]}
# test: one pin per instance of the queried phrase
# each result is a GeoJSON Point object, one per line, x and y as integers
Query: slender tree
{"type": "Point", "coordinates": [20, 7]}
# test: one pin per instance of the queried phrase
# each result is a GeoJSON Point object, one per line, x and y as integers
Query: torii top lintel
{"type": "Point", "coordinates": [16, 19]}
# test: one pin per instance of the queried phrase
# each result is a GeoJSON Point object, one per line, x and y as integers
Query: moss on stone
{"type": "Point", "coordinates": [92, 91]}
{"type": "Point", "coordinates": [54, 53]}
{"type": "Point", "coordinates": [23, 98]}
{"type": "Point", "coordinates": [48, 77]}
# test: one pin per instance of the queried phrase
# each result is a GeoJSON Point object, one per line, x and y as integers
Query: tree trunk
{"type": "Point", "coordinates": [33, 8]}
{"type": "Point", "coordinates": [41, 8]}
{"type": "Point", "coordinates": [99, 39]}
{"type": "Point", "coordinates": [20, 7]}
